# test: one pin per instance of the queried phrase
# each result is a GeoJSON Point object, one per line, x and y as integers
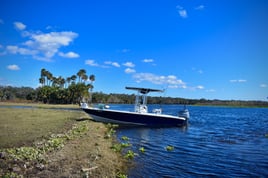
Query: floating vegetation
{"type": "Point", "coordinates": [169, 148]}
{"type": "Point", "coordinates": [130, 154]}
{"type": "Point", "coordinates": [125, 138]}
{"type": "Point", "coordinates": [118, 147]}
{"type": "Point", "coordinates": [120, 175]}
{"type": "Point", "coordinates": [141, 149]}
{"type": "Point", "coordinates": [266, 135]}
{"type": "Point", "coordinates": [110, 130]}
{"type": "Point", "coordinates": [125, 145]}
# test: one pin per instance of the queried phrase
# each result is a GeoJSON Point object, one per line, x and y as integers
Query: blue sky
{"type": "Point", "coordinates": [192, 48]}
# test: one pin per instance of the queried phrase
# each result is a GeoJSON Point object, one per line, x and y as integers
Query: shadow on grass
{"type": "Point", "coordinates": [83, 119]}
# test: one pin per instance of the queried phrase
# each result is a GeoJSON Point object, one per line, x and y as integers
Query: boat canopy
{"type": "Point", "coordinates": [144, 90]}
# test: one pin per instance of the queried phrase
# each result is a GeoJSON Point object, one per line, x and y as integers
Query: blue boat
{"type": "Point", "coordinates": [140, 116]}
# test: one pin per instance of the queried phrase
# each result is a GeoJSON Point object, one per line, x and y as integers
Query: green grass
{"type": "Point", "coordinates": [40, 105]}
{"type": "Point", "coordinates": [20, 127]}
{"type": "Point", "coordinates": [39, 134]}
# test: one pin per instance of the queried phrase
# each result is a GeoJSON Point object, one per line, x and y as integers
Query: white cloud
{"type": "Point", "coordinates": [182, 12]}
{"type": "Point", "coordinates": [170, 80]}
{"type": "Point", "coordinates": [55, 38]}
{"type": "Point", "coordinates": [12, 49]}
{"type": "Point", "coordinates": [48, 44]}
{"type": "Point", "coordinates": [200, 87]}
{"type": "Point", "coordinates": [148, 60]}
{"type": "Point", "coordinates": [19, 26]}
{"type": "Point", "coordinates": [115, 64]}
{"type": "Point", "coordinates": [129, 70]}
{"type": "Point", "coordinates": [13, 67]}
{"type": "Point", "coordinates": [200, 7]}
{"type": "Point", "coordinates": [69, 54]}
{"type": "Point", "coordinates": [129, 64]}
{"type": "Point", "coordinates": [42, 46]}
{"type": "Point", "coordinates": [91, 62]}
{"type": "Point", "coordinates": [238, 81]}
{"type": "Point", "coordinates": [1, 21]}
{"type": "Point", "coordinates": [242, 80]}
{"type": "Point", "coordinates": [18, 50]}
{"type": "Point", "coordinates": [263, 85]}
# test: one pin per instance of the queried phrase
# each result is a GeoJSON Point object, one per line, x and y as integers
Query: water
{"type": "Point", "coordinates": [219, 142]}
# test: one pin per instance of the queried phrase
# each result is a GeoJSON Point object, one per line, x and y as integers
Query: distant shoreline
{"type": "Point", "coordinates": [212, 103]}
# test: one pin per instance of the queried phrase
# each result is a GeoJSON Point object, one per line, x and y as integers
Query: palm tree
{"type": "Point", "coordinates": [90, 86]}
{"type": "Point", "coordinates": [68, 80]}
{"type": "Point", "coordinates": [80, 73]}
{"type": "Point", "coordinates": [92, 78]}
{"type": "Point", "coordinates": [61, 81]}
{"type": "Point", "coordinates": [49, 77]}
{"type": "Point", "coordinates": [73, 78]}
{"type": "Point", "coordinates": [55, 81]}
{"type": "Point", "coordinates": [84, 77]}
{"type": "Point", "coordinates": [42, 81]}
{"type": "Point", "coordinates": [43, 76]}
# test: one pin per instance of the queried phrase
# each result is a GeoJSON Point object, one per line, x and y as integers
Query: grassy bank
{"type": "Point", "coordinates": [22, 126]}
{"type": "Point", "coordinates": [39, 105]}
{"type": "Point", "coordinates": [55, 143]}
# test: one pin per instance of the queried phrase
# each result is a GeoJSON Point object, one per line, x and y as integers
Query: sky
{"type": "Point", "coordinates": [212, 49]}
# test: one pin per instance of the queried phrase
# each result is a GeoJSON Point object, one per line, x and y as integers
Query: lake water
{"type": "Point", "coordinates": [218, 142]}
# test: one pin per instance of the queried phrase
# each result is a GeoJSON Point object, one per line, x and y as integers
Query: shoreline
{"type": "Point", "coordinates": [76, 106]}
{"type": "Point", "coordinates": [79, 149]}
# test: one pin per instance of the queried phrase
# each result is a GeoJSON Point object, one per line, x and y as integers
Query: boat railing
{"type": "Point", "coordinates": [157, 111]}
{"type": "Point", "coordinates": [141, 108]}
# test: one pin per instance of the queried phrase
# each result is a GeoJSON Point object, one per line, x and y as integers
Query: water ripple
{"type": "Point", "coordinates": [219, 142]}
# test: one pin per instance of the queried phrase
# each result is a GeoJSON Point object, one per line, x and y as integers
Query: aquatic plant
{"type": "Point", "coordinates": [125, 138]}
{"type": "Point", "coordinates": [118, 147]}
{"type": "Point", "coordinates": [130, 154]}
{"type": "Point", "coordinates": [110, 130]}
{"type": "Point", "coordinates": [169, 148]}
{"type": "Point", "coordinates": [125, 145]}
{"type": "Point", "coordinates": [120, 175]}
{"type": "Point", "coordinates": [141, 149]}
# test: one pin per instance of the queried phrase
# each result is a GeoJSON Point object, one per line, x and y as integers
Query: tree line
{"type": "Point", "coordinates": [58, 90]}
{"type": "Point", "coordinates": [99, 97]}
{"type": "Point", "coordinates": [79, 88]}
{"type": "Point", "coordinates": [54, 90]}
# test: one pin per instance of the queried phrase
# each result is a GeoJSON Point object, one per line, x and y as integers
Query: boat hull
{"type": "Point", "coordinates": [134, 118]}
